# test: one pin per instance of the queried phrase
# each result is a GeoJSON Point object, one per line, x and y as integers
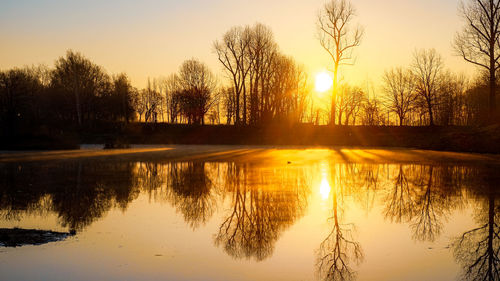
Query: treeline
{"type": "Point", "coordinates": [424, 93]}
{"type": "Point", "coordinates": [261, 86]}
{"type": "Point", "coordinates": [421, 94]}
{"type": "Point", "coordinates": [265, 86]}
{"type": "Point", "coordinates": [75, 92]}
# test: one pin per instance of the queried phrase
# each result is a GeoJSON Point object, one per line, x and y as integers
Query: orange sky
{"type": "Point", "coordinates": [152, 38]}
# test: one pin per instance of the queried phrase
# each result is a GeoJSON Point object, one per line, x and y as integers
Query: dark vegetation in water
{"type": "Point", "coordinates": [16, 237]}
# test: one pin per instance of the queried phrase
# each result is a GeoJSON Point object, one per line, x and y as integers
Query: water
{"type": "Point", "coordinates": [255, 214]}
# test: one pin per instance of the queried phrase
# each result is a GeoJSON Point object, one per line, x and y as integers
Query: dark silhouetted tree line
{"type": "Point", "coordinates": [263, 86]}
{"type": "Point", "coordinates": [76, 92]}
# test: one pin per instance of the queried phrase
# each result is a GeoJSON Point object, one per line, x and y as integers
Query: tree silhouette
{"type": "Point", "coordinates": [479, 41]}
{"type": "Point", "coordinates": [338, 37]}
{"type": "Point", "coordinates": [82, 81]}
{"type": "Point", "coordinates": [198, 85]}
{"type": "Point", "coordinates": [400, 89]}
{"type": "Point", "coordinates": [427, 69]}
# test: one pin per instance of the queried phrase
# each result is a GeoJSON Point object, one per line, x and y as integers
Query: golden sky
{"type": "Point", "coordinates": [151, 38]}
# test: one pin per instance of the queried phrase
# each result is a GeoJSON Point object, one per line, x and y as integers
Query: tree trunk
{"type": "Point", "coordinates": [492, 95]}
{"type": "Point", "coordinates": [431, 116]}
{"type": "Point", "coordinates": [78, 108]}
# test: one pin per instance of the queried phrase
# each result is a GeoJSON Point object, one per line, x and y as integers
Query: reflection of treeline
{"type": "Point", "coordinates": [78, 192]}
{"type": "Point", "coordinates": [81, 192]}
{"type": "Point", "coordinates": [422, 196]}
{"type": "Point", "coordinates": [259, 202]}
{"type": "Point", "coordinates": [262, 204]}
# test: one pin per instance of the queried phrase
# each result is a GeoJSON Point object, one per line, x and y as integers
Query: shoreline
{"type": "Point", "coordinates": [453, 139]}
{"type": "Point", "coordinates": [282, 155]}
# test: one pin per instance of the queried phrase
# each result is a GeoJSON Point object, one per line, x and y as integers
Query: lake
{"type": "Point", "coordinates": [249, 213]}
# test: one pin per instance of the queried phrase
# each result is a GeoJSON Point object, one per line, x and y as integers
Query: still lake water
{"type": "Point", "coordinates": [254, 214]}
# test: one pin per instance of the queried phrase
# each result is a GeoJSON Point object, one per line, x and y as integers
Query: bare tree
{"type": "Point", "coordinates": [172, 91]}
{"type": "Point", "coordinates": [263, 52]}
{"type": "Point", "coordinates": [338, 37]}
{"type": "Point", "coordinates": [232, 53]}
{"type": "Point", "coordinates": [479, 41]}
{"type": "Point", "coordinates": [371, 113]}
{"type": "Point", "coordinates": [427, 68]}
{"type": "Point", "coordinates": [149, 101]}
{"type": "Point", "coordinates": [198, 84]}
{"type": "Point", "coordinates": [399, 87]}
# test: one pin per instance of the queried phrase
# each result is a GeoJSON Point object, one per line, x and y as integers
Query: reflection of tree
{"type": "Point", "coordinates": [429, 208]}
{"type": "Point", "coordinates": [400, 205]}
{"type": "Point", "coordinates": [422, 196]}
{"type": "Point", "coordinates": [263, 204]}
{"type": "Point", "coordinates": [78, 192]}
{"type": "Point", "coordinates": [477, 250]}
{"type": "Point", "coordinates": [188, 186]}
{"type": "Point", "coordinates": [190, 192]}
{"type": "Point", "coordinates": [339, 250]}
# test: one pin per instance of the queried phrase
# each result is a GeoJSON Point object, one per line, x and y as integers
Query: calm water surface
{"type": "Point", "coordinates": [250, 218]}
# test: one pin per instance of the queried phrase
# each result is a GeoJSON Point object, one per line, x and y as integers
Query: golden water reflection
{"type": "Point", "coordinates": [255, 203]}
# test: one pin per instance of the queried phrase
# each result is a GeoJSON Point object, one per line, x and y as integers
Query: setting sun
{"type": "Point", "coordinates": [323, 82]}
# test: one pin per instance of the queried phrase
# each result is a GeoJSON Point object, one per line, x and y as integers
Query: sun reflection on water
{"type": "Point", "coordinates": [324, 188]}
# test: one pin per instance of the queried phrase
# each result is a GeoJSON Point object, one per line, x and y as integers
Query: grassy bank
{"type": "Point", "coordinates": [464, 139]}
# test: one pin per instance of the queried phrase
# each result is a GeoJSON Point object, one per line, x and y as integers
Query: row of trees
{"type": "Point", "coordinates": [266, 86]}
{"type": "Point", "coordinates": [423, 94]}
{"type": "Point", "coordinates": [79, 92]}
{"type": "Point", "coordinates": [186, 96]}
{"type": "Point", "coordinates": [263, 85]}
{"type": "Point", "coordinates": [76, 91]}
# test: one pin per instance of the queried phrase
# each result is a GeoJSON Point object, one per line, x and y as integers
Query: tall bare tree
{"type": "Point", "coordinates": [399, 87]}
{"type": "Point", "coordinates": [338, 36]}
{"type": "Point", "coordinates": [263, 51]}
{"type": "Point", "coordinates": [427, 68]}
{"type": "Point", "coordinates": [479, 41]}
{"type": "Point", "coordinates": [232, 53]}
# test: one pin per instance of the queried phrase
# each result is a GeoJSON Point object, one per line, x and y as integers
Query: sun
{"type": "Point", "coordinates": [323, 82]}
